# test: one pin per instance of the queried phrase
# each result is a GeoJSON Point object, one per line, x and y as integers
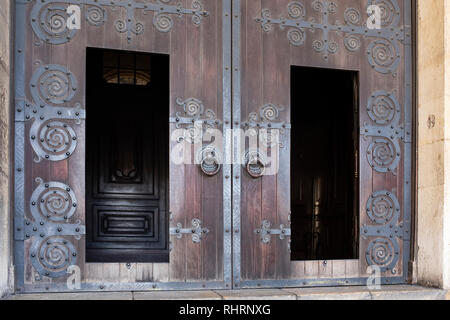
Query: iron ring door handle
{"type": "Point", "coordinates": [209, 161]}
{"type": "Point", "coordinates": [255, 164]}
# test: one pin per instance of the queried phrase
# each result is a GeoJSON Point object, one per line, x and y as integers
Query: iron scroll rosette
{"type": "Point", "coordinates": [385, 230]}
{"type": "Point", "coordinates": [265, 232]}
{"type": "Point", "coordinates": [383, 52]}
{"type": "Point", "coordinates": [53, 206]}
{"type": "Point", "coordinates": [196, 231]}
{"type": "Point", "coordinates": [385, 132]}
{"type": "Point", "coordinates": [53, 89]}
{"type": "Point", "coordinates": [49, 18]}
{"type": "Point", "coordinates": [194, 119]}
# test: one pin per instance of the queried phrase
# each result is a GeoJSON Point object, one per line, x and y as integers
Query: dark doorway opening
{"type": "Point", "coordinates": [324, 164]}
{"type": "Point", "coordinates": [127, 156]}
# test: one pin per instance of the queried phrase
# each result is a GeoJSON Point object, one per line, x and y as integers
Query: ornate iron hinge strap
{"type": "Point", "coordinates": [52, 206]}
{"type": "Point", "coordinates": [52, 88]}
{"type": "Point", "coordinates": [267, 126]}
{"type": "Point", "coordinates": [265, 232]}
{"type": "Point", "coordinates": [49, 17]}
{"type": "Point", "coordinates": [383, 52]}
{"type": "Point", "coordinates": [196, 231]}
{"type": "Point", "coordinates": [194, 119]}
{"type": "Point", "coordinates": [383, 210]}
{"type": "Point", "coordinates": [384, 152]}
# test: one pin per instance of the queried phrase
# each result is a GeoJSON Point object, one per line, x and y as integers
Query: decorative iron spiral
{"type": "Point", "coordinates": [296, 37]}
{"type": "Point", "coordinates": [317, 5]}
{"type": "Point", "coordinates": [192, 107]}
{"type": "Point", "coordinates": [53, 201]}
{"type": "Point", "coordinates": [390, 12]}
{"type": "Point", "coordinates": [138, 28]}
{"type": "Point", "coordinates": [95, 15]}
{"type": "Point", "coordinates": [49, 22]}
{"type": "Point", "coordinates": [296, 10]}
{"type": "Point", "coordinates": [382, 207]}
{"type": "Point", "coordinates": [383, 154]}
{"type": "Point", "coordinates": [383, 108]}
{"type": "Point", "coordinates": [318, 45]}
{"type": "Point", "coordinates": [332, 8]}
{"type": "Point", "coordinates": [352, 43]}
{"type": "Point", "coordinates": [382, 253]}
{"type": "Point", "coordinates": [197, 10]}
{"type": "Point", "coordinates": [163, 22]}
{"type": "Point", "coordinates": [352, 16]}
{"type": "Point", "coordinates": [53, 256]}
{"type": "Point", "coordinates": [270, 112]}
{"type": "Point", "coordinates": [383, 56]}
{"type": "Point", "coordinates": [120, 26]}
{"type": "Point", "coordinates": [332, 47]}
{"type": "Point", "coordinates": [197, 231]}
{"type": "Point", "coordinates": [264, 231]}
{"type": "Point", "coordinates": [53, 84]}
{"type": "Point", "coordinates": [53, 140]}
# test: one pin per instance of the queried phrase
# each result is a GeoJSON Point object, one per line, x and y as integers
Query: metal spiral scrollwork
{"type": "Point", "coordinates": [383, 207]}
{"type": "Point", "coordinates": [383, 210]}
{"type": "Point", "coordinates": [271, 130]}
{"type": "Point", "coordinates": [53, 140]}
{"type": "Point", "coordinates": [53, 256]}
{"type": "Point", "coordinates": [352, 43]}
{"type": "Point", "coordinates": [95, 15]}
{"type": "Point", "coordinates": [196, 231]}
{"type": "Point", "coordinates": [210, 160]}
{"type": "Point", "coordinates": [383, 52]}
{"type": "Point", "coordinates": [163, 22]}
{"type": "Point", "coordinates": [296, 37]}
{"type": "Point", "coordinates": [49, 22]}
{"type": "Point", "coordinates": [384, 153]}
{"type": "Point", "coordinates": [53, 206]}
{"type": "Point", "coordinates": [390, 12]}
{"type": "Point", "coordinates": [383, 253]}
{"type": "Point", "coordinates": [52, 84]}
{"type": "Point", "coordinates": [352, 16]}
{"type": "Point", "coordinates": [49, 18]}
{"type": "Point", "coordinates": [265, 232]}
{"type": "Point", "coordinates": [383, 108]}
{"type": "Point", "coordinates": [53, 89]}
{"type": "Point", "coordinates": [53, 201]}
{"type": "Point", "coordinates": [296, 10]}
{"type": "Point", "coordinates": [195, 119]}
{"type": "Point", "coordinates": [384, 56]}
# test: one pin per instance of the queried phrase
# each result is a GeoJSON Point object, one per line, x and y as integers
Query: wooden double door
{"type": "Point", "coordinates": [263, 143]}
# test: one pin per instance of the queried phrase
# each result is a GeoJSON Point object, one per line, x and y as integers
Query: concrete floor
{"type": "Point", "coordinates": [404, 292]}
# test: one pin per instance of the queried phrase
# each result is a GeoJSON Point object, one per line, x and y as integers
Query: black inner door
{"type": "Point", "coordinates": [127, 156]}
{"type": "Point", "coordinates": [324, 164]}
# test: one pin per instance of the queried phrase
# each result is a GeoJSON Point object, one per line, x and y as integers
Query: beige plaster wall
{"type": "Point", "coordinates": [5, 244]}
{"type": "Point", "coordinates": [433, 84]}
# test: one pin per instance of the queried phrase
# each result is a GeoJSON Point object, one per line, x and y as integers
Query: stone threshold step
{"type": "Point", "coordinates": [397, 292]}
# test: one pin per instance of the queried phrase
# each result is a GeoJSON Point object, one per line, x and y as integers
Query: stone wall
{"type": "Point", "coordinates": [433, 84]}
{"type": "Point", "coordinates": [5, 243]}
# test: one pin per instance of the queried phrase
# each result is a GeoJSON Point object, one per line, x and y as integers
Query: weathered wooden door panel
{"type": "Point", "coordinates": [229, 225]}
{"type": "Point", "coordinates": [272, 37]}
{"type": "Point", "coordinates": [50, 139]}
